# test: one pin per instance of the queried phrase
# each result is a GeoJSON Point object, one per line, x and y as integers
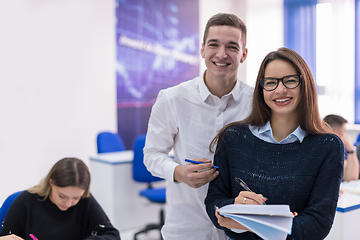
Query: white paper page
{"type": "Point", "coordinates": [263, 231]}
{"type": "Point", "coordinates": [271, 210]}
{"type": "Point", "coordinates": [283, 224]}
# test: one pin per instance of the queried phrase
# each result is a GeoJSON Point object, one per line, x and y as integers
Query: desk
{"type": "Point", "coordinates": [346, 222]}
{"type": "Point", "coordinates": [114, 188]}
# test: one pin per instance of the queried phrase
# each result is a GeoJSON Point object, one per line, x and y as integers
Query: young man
{"type": "Point", "coordinates": [351, 163]}
{"type": "Point", "coordinates": [187, 117]}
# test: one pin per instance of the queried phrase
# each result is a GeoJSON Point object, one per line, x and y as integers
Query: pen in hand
{"type": "Point", "coordinates": [196, 162]}
{"type": "Point", "coordinates": [244, 185]}
{"type": "Point", "coordinates": [33, 236]}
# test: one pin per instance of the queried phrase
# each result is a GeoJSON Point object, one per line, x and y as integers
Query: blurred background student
{"type": "Point", "coordinates": [351, 163]}
{"type": "Point", "coordinates": [60, 207]}
{"type": "Point", "coordinates": [283, 151]}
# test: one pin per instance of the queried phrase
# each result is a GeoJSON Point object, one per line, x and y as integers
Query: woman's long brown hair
{"type": "Point", "coordinates": [310, 120]}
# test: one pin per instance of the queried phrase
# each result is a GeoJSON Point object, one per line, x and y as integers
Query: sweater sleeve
{"type": "Point", "coordinates": [219, 192]}
{"type": "Point", "coordinates": [316, 219]}
{"type": "Point", "coordinates": [14, 222]}
{"type": "Point", "coordinates": [98, 224]}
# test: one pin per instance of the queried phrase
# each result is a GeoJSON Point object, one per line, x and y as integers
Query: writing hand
{"type": "Point", "coordinates": [196, 175]}
{"type": "Point", "coordinates": [11, 237]}
{"type": "Point", "coordinates": [246, 197]}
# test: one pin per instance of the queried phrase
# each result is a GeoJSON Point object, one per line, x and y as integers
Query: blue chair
{"type": "Point", "coordinates": [6, 205]}
{"type": "Point", "coordinates": [357, 140]}
{"type": "Point", "coordinates": [109, 142]}
{"type": "Point", "coordinates": [141, 174]}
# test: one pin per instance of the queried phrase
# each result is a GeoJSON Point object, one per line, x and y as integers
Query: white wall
{"type": "Point", "coordinates": [57, 84]}
{"type": "Point", "coordinates": [265, 21]}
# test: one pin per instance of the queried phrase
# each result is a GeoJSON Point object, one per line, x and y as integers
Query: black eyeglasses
{"type": "Point", "coordinates": [290, 81]}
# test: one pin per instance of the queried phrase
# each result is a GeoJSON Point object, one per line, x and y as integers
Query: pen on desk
{"type": "Point", "coordinates": [33, 236]}
{"type": "Point", "coordinates": [196, 162]}
{"type": "Point", "coordinates": [244, 185]}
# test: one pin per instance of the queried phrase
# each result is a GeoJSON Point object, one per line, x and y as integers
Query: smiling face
{"type": "Point", "coordinates": [223, 52]}
{"type": "Point", "coordinates": [282, 101]}
{"type": "Point", "coordinates": [65, 197]}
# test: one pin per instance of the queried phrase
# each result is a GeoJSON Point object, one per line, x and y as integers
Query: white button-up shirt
{"type": "Point", "coordinates": [186, 118]}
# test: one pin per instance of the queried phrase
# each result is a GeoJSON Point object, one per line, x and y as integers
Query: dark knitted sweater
{"type": "Point", "coordinates": [27, 215]}
{"type": "Point", "coordinates": [306, 176]}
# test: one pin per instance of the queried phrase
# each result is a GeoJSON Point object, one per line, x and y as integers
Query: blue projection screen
{"type": "Point", "coordinates": [157, 47]}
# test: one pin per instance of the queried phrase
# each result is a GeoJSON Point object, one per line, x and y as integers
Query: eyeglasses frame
{"type": "Point", "coordinates": [262, 80]}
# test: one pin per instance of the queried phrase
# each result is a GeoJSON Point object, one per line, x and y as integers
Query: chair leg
{"type": "Point", "coordinates": [153, 226]}
{"type": "Point", "coordinates": [162, 222]}
{"type": "Point", "coordinates": [148, 228]}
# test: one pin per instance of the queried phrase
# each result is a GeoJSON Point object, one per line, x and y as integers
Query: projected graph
{"type": "Point", "coordinates": [157, 47]}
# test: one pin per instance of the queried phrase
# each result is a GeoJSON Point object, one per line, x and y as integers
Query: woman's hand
{"type": "Point", "coordinates": [246, 197]}
{"type": "Point", "coordinates": [11, 237]}
{"type": "Point", "coordinates": [228, 222]}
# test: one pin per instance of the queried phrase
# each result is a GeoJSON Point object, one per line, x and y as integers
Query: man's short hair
{"type": "Point", "coordinates": [334, 120]}
{"type": "Point", "coordinates": [226, 19]}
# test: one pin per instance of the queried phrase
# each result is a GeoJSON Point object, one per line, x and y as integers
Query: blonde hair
{"type": "Point", "coordinates": [66, 172]}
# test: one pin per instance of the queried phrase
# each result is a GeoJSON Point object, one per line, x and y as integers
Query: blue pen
{"type": "Point", "coordinates": [196, 162]}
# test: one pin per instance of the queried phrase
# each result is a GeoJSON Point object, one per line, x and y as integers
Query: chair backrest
{"type": "Point", "coordinates": [109, 142]}
{"type": "Point", "coordinates": [6, 205]}
{"type": "Point", "coordinates": [140, 172]}
{"type": "Point", "coordinates": [357, 140]}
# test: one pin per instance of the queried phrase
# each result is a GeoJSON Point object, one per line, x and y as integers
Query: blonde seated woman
{"type": "Point", "coordinates": [59, 208]}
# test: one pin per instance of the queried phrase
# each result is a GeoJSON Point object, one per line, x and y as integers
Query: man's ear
{"type": "Point", "coordinates": [244, 55]}
{"type": "Point", "coordinates": [202, 50]}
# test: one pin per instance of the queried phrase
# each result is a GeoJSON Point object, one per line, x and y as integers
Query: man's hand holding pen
{"type": "Point", "coordinates": [196, 175]}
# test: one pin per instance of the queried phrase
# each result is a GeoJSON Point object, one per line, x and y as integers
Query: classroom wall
{"type": "Point", "coordinates": [265, 21]}
{"type": "Point", "coordinates": [57, 86]}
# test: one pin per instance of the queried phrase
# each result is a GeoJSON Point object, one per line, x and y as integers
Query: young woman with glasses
{"type": "Point", "coordinates": [283, 151]}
